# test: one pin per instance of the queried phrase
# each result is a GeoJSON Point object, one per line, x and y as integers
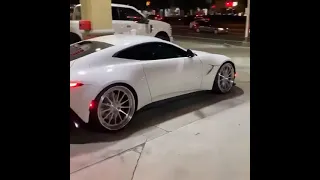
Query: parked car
{"type": "Point", "coordinates": [125, 20]}
{"type": "Point", "coordinates": [192, 23]}
{"type": "Point", "coordinates": [207, 26]}
{"type": "Point", "coordinates": [111, 77]}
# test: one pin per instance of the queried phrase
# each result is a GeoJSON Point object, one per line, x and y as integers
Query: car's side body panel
{"type": "Point", "coordinates": [152, 80]}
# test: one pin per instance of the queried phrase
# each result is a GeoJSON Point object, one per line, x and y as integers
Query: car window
{"type": "Point", "coordinates": [115, 13]}
{"type": "Point", "coordinates": [151, 17]}
{"type": "Point", "coordinates": [201, 23]}
{"type": "Point", "coordinates": [138, 52]}
{"type": "Point", "coordinates": [168, 51]}
{"type": "Point", "coordinates": [128, 14]}
{"type": "Point", "coordinates": [151, 51]}
{"type": "Point", "coordinates": [85, 48]}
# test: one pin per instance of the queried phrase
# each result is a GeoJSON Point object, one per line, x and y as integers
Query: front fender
{"type": "Point", "coordinates": [211, 64]}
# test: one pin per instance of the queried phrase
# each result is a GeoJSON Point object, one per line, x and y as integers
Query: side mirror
{"type": "Point", "coordinates": [190, 54]}
{"type": "Point", "coordinates": [143, 21]}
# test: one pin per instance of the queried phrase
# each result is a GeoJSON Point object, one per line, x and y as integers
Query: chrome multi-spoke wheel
{"type": "Point", "coordinates": [116, 107]}
{"type": "Point", "coordinates": [224, 80]}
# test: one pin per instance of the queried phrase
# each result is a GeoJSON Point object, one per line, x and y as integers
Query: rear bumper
{"type": "Point", "coordinates": [75, 119]}
{"type": "Point", "coordinates": [80, 99]}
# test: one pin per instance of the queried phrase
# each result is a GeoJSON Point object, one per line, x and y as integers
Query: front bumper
{"type": "Point", "coordinates": [75, 120]}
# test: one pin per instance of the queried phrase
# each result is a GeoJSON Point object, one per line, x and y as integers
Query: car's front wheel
{"type": "Point", "coordinates": [114, 109]}
{"type": "Point", "coordinates": [224, 80]}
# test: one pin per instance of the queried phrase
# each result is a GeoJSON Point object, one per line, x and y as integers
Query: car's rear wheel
{"type": "Point", "coordinates": [224, 80]}
{"type": "Point", "coordinates": [115, 108]}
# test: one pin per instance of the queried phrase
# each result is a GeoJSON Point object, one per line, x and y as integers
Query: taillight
{"type": "Point", "coordinates": [75, 84]}
{"type": "Point", "coordinates": [85, 25]}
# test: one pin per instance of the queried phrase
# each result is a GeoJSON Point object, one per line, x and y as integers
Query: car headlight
{"type": "Point", "coordinates": [220, 29]}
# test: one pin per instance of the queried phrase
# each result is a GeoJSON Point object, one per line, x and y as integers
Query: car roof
{"type": "Point", "coordinates": [125, 40]}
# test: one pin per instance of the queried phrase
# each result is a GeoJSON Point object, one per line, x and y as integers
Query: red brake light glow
{"type": "Point", "coordinates": [75, 84]}
{"type": "Point", "coordinates": [92, 105]}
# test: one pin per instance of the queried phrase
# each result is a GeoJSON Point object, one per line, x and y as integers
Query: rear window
{"type": "Point", "coordinates": [85, 48]}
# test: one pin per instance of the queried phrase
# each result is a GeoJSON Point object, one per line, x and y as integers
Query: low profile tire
{"type": "Point", "coordinates": [163, 36]}
{"type": "Point", "coordinates": [114, 109]}
{"type": "Point", "coordinates": [224, 80]}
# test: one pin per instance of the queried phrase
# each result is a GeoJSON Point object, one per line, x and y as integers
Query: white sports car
{"type": "Point", "coordinates": [113, 76]}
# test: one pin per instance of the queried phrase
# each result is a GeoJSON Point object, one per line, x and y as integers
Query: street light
{"type": "Point", "coordinates": [247, 21]}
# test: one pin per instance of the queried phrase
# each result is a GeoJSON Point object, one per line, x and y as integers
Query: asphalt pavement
{"type": "Point", "coordinates": [184, 32]}
{"type": "Point", "coordinates": [89, 148]}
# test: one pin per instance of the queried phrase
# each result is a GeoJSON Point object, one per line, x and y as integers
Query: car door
{"type": "Point", "coordinates": [202, 26]}
{"type": "Point", "coordinates": [170, 72]}
{"type": "Point", "coordinates": [117, 24]}
{"type": "Point", "coordinates": [167, 68]}
{"type": "Point", "coordinates": [129, 20]}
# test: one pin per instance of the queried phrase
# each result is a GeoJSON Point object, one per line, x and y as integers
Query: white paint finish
{"type": "Point", "coordinates": [162, 78]}
{"type": "Point", "coordinates": [127, 27]}
{"type": "Point", "coordinates": [110, 149]}
{"type": "Point", "coordinates": [118, 168]}
{"type": "Point", "coordinates": [217, 147]}
{"type": "Point", "coordinates": [167, 76]}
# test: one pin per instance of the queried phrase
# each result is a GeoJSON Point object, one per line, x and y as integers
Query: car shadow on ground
{"type": "Point", "coordinates": [154, 114]}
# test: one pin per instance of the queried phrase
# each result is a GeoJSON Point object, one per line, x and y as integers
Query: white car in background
{"type": "Point", "coordinates": [125, 20]}
{"type": "Point", "coordinates": [111, 77]}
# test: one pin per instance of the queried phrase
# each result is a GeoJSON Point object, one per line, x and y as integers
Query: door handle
{"type": "Point", "coordinates": [128, 26]}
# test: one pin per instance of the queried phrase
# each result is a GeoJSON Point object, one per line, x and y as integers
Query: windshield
{"type": "Point", "coordinates": [85, 48]}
